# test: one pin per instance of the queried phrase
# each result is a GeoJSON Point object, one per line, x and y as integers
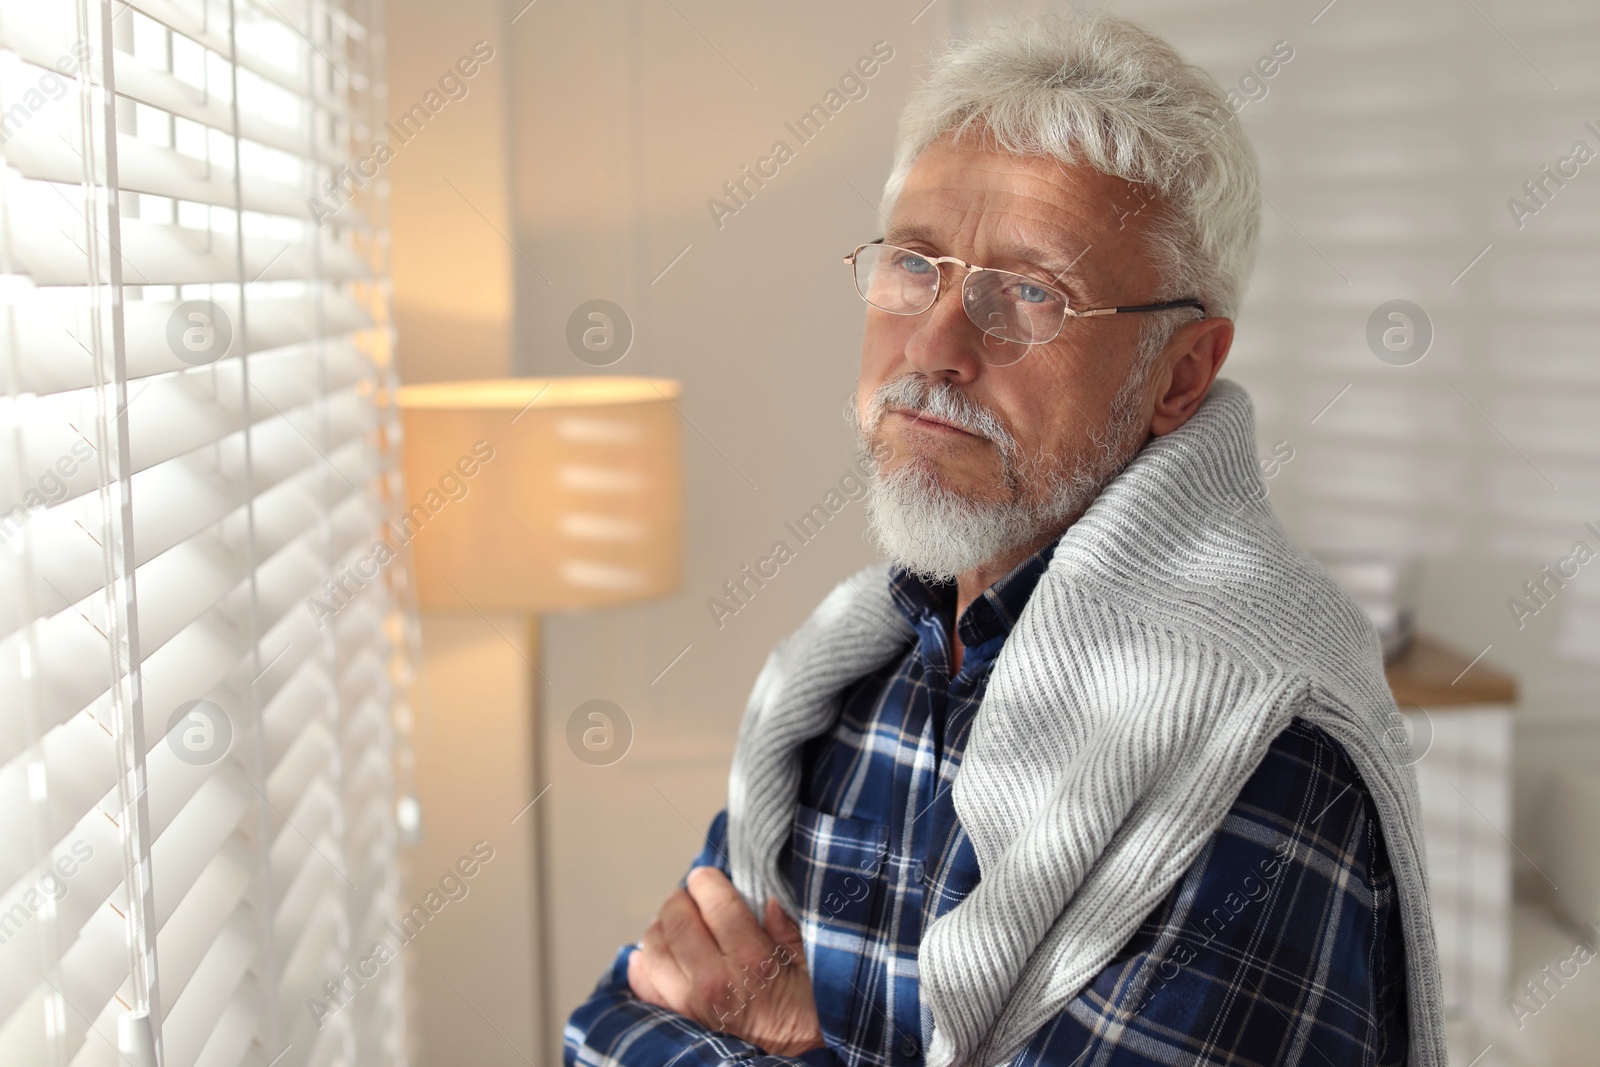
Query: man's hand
{"type": "Point", "coordinates": [705, 956]}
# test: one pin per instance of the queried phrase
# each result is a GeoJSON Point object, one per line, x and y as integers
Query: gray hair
{"type": "Point", "coordinates": [1104, 91]}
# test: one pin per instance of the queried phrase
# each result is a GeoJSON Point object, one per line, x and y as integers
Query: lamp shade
{"type": "Point", "coordinates": [543, 494]}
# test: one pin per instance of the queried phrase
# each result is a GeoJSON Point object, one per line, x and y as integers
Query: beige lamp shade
{"type": "Point", "coordinates": [543, 494]}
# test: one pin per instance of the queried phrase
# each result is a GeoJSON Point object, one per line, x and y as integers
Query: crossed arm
{"type": "Point", "coordinates": [707, 984]}
{"type": "Point", "coordinates": [1281, 945]}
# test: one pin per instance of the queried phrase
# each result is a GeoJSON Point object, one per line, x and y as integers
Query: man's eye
{"type": "Point", "coordinates": [1033, 294]}
{"type": "Point", "coordinates": [913, 264]}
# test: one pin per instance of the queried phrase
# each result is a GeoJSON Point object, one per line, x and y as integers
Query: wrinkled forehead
{"type": "Point", "coordinates": [1001, 209]}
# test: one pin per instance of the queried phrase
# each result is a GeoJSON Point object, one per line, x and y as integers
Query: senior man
{"type": "Point", "coordinates": [1098, 768]}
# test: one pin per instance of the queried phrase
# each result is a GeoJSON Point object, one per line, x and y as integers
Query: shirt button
{"type": "Point", "coordinates": [918, 875]}
{"type": "Point", "coordinates": [909, 1046]}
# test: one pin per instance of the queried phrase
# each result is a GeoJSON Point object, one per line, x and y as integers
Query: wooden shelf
{"type": "Point", "coordinates": [1425, 676]}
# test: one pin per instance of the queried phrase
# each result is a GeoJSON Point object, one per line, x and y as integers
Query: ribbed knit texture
{"type": "Point", "coordinates": [1175, 634]}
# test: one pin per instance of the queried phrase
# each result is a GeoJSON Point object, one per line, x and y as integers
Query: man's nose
{"type": "Point", "coordinates": [945, 341]}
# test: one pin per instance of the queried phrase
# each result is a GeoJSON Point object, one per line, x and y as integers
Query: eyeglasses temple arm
{"type": "Point", "coordinates": [1091, 312]}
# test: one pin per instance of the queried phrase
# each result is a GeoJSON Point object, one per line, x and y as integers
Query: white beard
{"type": "Point", "coordinates": [937, 533]}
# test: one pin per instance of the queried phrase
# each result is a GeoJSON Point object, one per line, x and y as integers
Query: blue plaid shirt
{"type": "Point", "coordinates": [1281, 944]}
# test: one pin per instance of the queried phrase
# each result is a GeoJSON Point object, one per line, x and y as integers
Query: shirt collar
{"type": "Point", "coordinates": [991, 615]}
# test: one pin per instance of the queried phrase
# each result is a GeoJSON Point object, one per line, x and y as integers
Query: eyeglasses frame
{"type": "Point", "coordinates": [971, 269]}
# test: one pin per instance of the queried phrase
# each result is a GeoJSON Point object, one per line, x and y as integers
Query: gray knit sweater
{"type": "Point", "coordinates": [1175, 633]}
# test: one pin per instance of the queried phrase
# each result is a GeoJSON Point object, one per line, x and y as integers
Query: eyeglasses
{"type": "Point", "coordinates": [1007, 306]}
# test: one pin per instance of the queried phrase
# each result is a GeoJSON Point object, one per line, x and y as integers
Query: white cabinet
{"type": "Point", "coordinates": [1461, 736]}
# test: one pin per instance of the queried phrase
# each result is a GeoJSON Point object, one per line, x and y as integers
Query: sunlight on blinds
{"type": "Point", "coordinates": [197, 435]}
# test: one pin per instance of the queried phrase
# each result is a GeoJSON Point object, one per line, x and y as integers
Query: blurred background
{"type": "Point", "coordinates": [1419, 339]}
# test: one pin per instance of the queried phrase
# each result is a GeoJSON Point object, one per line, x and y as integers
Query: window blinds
{"type": "Point", "coordinates": [198, 773]}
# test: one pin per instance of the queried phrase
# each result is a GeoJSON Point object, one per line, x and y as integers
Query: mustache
{"type": "Point", "coordinates": [939, 400]}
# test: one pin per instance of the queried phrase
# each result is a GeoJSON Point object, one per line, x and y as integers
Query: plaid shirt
{"type": "Point", "coordinates": [1281, 944]}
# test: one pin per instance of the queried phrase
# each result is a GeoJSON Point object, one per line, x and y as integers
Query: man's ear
{"type": "Point", "coordinates": [1187, 368]}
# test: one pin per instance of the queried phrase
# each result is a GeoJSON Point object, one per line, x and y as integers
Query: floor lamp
{"type": "Point", "coordinates": [535, 495]}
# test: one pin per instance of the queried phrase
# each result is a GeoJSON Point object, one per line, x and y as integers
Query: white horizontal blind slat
{"type": "Point", "coordinates": [157, 253]}
{"type": "Point", "coordinates": [236, 1027]}
{"type": "Point", "coordinates": [152, 169]}
{"type": "Point", "coordinates": [210, 903]}
{"type": "Point", "coordinates": [54, 359]}
{"type": "Point", "coordinates": [182, 413]}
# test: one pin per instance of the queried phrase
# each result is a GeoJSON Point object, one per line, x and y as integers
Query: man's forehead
{"type": "Point", "coordinates": [997, 234]}
{"type": "Point", "coordinates": [1068, 218]}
